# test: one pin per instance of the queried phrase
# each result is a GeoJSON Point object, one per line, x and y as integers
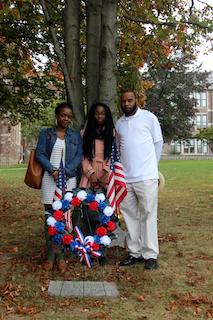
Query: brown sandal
{"type": "Point", "coordinates": [48, 266]}
{"type": "Point", "coordinates": [62, 266]}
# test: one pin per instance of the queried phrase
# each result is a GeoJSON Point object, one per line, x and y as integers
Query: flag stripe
{"type": "Point", "coordinates": [68, 219]}
{"type": "Point", "coordinates": [61, 184]}
{"type": "Point", "coordinates": [116, 190]}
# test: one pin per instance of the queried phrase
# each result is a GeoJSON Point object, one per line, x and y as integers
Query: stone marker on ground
{"type": "Point", "coordinates": [72, 288]}
{"type": "Point", "coordinates": [83, 289]}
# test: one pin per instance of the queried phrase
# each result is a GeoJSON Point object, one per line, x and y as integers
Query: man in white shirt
{"type": "Point", "coordinates": [140, 141]}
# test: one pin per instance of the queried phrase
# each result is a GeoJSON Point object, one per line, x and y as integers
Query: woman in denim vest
{"type": "Point", "coordinates": [56, 144]}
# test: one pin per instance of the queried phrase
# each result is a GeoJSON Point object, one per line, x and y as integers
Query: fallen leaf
{"type": "Point", "coordinates": [179, 254]}
{"type": "Point", "coordinates": [26, 310]}
{"type": "Point", "coordinates": [11, 290]}
{"type": "Point", "coordinates": [98, 315]}
{"type": "Point", "coordinates": [43, 288]}
{"type": "Point", "coordinates": [66, 302]}
{"type": "Point", "coordinates": [141, 298]}
{"type": "Point", "coordinates": [167, 237]}
{"type": "Point", "coordinates": [172, 305]}
{"type": "Point", "coordinates": [209, 313]}
{"type": "Point", "coordinates": [96, 303]}
{"type": "Point", "coordinates": [203, 257]}
{"type": "Point", "coordinates": [198, 311]}
{"type": "Point", "coordinates": [9, 308]}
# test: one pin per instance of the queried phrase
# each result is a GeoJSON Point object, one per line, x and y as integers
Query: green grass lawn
{"type": "Point", "coordinates": [180, 289]}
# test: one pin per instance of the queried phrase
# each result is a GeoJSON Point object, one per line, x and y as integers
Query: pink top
{"type": "Point", "coordinates": [98, 165]}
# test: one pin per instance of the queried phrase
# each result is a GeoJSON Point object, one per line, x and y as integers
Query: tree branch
{"type": "Point", "coordinates": [56, 9]}
{"type": "Point", "coordinates": [161, 23]}
{"type": "Point", "coordinates": [58, 50]}
{"type": "Point", "coordinates": [191, 8]}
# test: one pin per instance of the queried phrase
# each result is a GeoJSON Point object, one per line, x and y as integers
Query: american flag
{"type": "Point", "coordinates": [116, 190]}
{"type": "Point", "coordinates": [60, 189]}
{"type": "Point", "coordinates": [68, 220]}
{"type": "Point", "coordinates": [61, 184]}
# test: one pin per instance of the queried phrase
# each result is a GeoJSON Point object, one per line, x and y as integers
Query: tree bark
{"type": "Point", "coordinates": [108, 83]}
{"type": "Point", "coordinates": [72, 57]}
{"type": "Point", "coordinates": [58, 50]}
{"type": "Point", "coordinates": [93, 41]}
{"type": "Point", "coordinates": [69, 83]}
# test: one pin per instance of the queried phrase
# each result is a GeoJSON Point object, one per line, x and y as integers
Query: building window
{"type": "Point", "coordinates": [201, 98]}
{"type": "Point", "coordinates": [178, 147]}
{"type": "Point", "coordinates": [202, 146]}
{"type": "Point", "coordinates": [192, 146]}
{"type": "Point", "coordinates": [199, 146]}
{"type": "Point", "coordinates": [175, 147]}
{"type": "Point", "coordinates": [204, 121]}
{"type": "Point", "coordinates": [201, 121]}
{"type": "Point", "coordinates": [198, 121]}
{"type": "Point", "coordinates": [205, 147]}
{"type": "Point", "coordinates": [189, 146]}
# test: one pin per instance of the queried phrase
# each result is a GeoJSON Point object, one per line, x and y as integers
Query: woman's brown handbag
{"type": "Point", "coordinates": [34, 172]}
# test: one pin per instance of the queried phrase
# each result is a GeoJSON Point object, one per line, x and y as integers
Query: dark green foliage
{"type": "Point", "coordinates": [26, 89]}
{"type": "Point", "coordinates": [206, 134]}
{"type": "Point", "coordinates": [171, 98]}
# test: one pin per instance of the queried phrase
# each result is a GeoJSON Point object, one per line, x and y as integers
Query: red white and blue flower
{"type": "Point", "coordinates": [83, 247]}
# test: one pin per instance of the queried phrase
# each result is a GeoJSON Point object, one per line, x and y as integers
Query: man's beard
{"type": "Point", "coordinates": [130, 113]}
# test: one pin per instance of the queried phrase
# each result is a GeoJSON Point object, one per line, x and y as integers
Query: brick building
{"type": "Point", "coordinates": [10, 143]}
{"type": "Point", "coordinates": [203, 119]}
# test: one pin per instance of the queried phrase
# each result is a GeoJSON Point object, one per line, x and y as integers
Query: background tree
{"type": "Point", "coordinates": [207, 135]}
{"type": "Point", "coordinates": [82, 36]}
{"type": "Point", "coordinates": [26, 90]}
{"type": "Point", "coordinates": [151, 36]}
{"type": "Point", "coordinates": [171, 97]}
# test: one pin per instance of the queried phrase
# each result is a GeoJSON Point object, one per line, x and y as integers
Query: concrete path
{"type": "Point", "coordinates": [83, 289]}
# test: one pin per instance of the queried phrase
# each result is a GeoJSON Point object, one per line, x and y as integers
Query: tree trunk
{"type": "Point", "coordinates": [108, 84]}
{"type": "Point", "coordinates": [93, 41]}
{"type": "Point", "coordinates": [72, 57]}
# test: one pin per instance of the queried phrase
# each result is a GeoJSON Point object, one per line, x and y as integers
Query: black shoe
{"type": "Point", "coordinates": [151, 264]}
{"type": "Point", "coordinates": [130, 260]}
{"type": "Point", "coordinates": [102, 261]}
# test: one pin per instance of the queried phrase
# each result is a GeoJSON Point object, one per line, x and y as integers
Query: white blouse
{"type": "Point", "coordinates": [48, 183]}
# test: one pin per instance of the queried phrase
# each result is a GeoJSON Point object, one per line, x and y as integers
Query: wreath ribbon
{"type": "Point", "coordinates": [84, 249]}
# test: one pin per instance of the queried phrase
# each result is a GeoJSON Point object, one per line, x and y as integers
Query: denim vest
{"type": "Point", "coordinates": [74, 150]}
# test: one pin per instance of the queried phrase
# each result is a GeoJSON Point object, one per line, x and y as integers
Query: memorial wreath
{"type": "Point", "coordinates": [73, 239]}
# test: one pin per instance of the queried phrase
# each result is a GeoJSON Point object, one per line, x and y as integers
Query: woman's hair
{"type": "Point", "coordinates": [90, 132]}
{"type": "Point", "coordinates": [61, 106]}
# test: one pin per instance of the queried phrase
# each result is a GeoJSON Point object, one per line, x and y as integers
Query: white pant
{"type": "Point", "coordinates": [139, 209]}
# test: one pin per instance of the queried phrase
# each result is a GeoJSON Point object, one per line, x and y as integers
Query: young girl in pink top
{"type": "Point", "coordinates": [97, 147]}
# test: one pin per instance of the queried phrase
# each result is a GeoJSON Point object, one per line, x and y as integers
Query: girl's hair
{"type": "Point", "coordinates": [90, 132]}
{"type": "Point", "coordinates": [61, 106]}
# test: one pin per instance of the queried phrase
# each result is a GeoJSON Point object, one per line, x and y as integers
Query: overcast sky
{"type": "Point", "coordinates": [206, 60]}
